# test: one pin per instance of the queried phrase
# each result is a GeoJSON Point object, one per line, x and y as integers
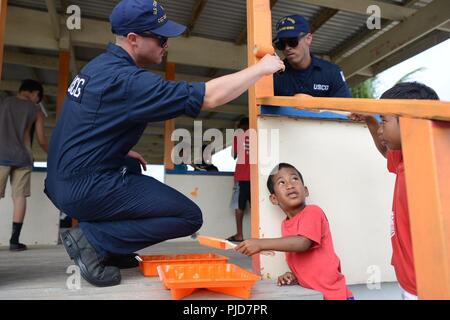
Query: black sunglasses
{"type": "Point", "coordinates": [162, 40]}
{"type": "Point", "coordinates": [280, 44]}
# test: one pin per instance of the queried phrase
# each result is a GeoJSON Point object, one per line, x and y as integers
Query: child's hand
{"type": "Point", "coordinates": [249, 247]}
{"type": "Point", "coordinates": [287, 279]}
{"type": "Point", "coordinates": [362, 117]}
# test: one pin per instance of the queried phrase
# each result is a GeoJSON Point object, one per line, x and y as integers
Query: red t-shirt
{"type": "Point", "coordinates": [241, 145]}
{"type": "Point", "coordinates": [402, 254]}
{"type": "Point", "coordinates": [319, 267]}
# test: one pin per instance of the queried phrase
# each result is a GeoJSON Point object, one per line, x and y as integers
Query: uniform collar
{"type": "Point", "coordinates": [315, 63]}
{"type": "Point", "coordinates": [119, 52]}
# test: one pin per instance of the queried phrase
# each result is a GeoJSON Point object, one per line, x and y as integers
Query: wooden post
{"type": "Point", "coordinates": [426, 152]}
{"type": "Point", "coordinates": [3, 10]}
{"type": "Point", "coordinates": [259, 33]}
{"type": "Point", "coordinates": [63, 79]}
{"type": "Point", "coordinates": [169, 125]}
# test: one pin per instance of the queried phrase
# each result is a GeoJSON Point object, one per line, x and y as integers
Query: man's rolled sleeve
{"type": "Point", "coordinates": [196, 98]}
{"type": "Point", "coordinates": [150, 98]}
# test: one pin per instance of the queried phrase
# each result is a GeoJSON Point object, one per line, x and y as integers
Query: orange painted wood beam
{"type": "Point", "coordinates": [169, 125]}
{"type": "Point", "coordinates": [426, 152]}
{"type": "Point", "coordinates": [259, 34]}
{"type": "Point", "coordinates": [63, 79]}
{"type": "Point", "coordinates": [422, 109]}
{"type": "Point", "coordinates": [3, 11]}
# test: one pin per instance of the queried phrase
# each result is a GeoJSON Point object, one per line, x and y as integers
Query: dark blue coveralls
{"type": "Point", "coordinates": [320, 79]}
{"type": "Point", "coordinates": [106, 110]}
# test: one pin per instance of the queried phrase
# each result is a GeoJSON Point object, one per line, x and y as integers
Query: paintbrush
{"type": "Point", "coordinates": [223, 244]}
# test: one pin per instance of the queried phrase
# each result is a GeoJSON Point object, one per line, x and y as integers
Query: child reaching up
{"type": "Point", "coordinates": [387, 139]}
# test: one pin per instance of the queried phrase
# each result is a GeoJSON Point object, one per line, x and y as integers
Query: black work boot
{"type": "Point", "coordinates": [122, 261]}
{"type": "Point", "coordinates": [17, 247]}
{"type": "Point", "coordinates": [86, 258]}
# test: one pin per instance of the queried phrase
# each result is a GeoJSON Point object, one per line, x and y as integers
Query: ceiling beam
{"type": "Point", "coordinates": [413, 28]}
{"type": "Point", "coordinates": [362, 36]}
{"type": "Point", "coordinates": [54, 18]}
{"type": "Point", "coordinates": [411, 3]}
{"type": "Point", "coordinates": [196, 13]}
{"type": "Point", "coordinates": [97, 34]}
{"type": "Point", "coordinates": [31, 60]}
{"type": "Point", "coordinates": [51, 63]}
{"type": "Point", "coordinates": [411, 50]}
{"type": "Point", "coordinates": [445, 27]}
{"type": "Point", "coordinates": [321, 18]}
{"type": "Point", "coordinates": [388, 11]}
{"type": "Point", "coordinates": [365, 34]}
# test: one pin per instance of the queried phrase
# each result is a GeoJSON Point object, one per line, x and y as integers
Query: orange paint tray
{"type": "Point", "coordinates": [227, 278]}
{"type": "Point", "coordinates": [149, 263]}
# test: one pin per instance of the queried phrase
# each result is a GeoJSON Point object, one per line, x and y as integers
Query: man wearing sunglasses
{"type": "Point", "coordinates": [94, 176]}
{"type": "Point", "coordinates": [305, 73]}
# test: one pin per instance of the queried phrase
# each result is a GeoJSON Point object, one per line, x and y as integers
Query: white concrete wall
{"type": "Point", "coordinates": [213, 195]}
{"type": "Point", "coordinates": [347, 177]}
{"type": "Point", "coordinates": [41, 225]}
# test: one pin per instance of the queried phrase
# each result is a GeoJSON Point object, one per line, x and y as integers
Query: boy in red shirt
{"type": "Point", "coordinates": [386, 136]}
{"type": "Point", "coordinates": [306, 238]}
{"type": "Point", "coordinates": [241, 152]}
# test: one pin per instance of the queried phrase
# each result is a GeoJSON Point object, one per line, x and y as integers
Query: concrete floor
{"type": "Point", "coordinates": [43, 273]}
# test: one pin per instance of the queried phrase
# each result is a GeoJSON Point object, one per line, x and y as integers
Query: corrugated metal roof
{"type": "Point", "coordinates": [179, 11]}
{"type": "Point", "coordinates": [33, 4]}
{"type": "Point", "coordinates": [226, 20]}
{"type": "Point", "coordinates": [222, 21]}
{"type": "Point", "coordinates": [337, 30]}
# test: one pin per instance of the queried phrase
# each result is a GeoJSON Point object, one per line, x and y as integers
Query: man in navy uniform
{"type": "Point", "coordinates": [305, 73]}
{"type": "Point", "coordinates": [94, 176]}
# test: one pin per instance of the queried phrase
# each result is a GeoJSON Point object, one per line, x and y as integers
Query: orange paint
{"type": "Point", "coordinates": [169, 125]}
{"type": "Point", "coordinates": [423, 109]}
{"type": "Point", "coordinates": [260, 51]}
{"type": "Point", "coordinates": [259, 36]}
{"type": "Point", "coordinates": [426, 152]}
{"type": "Point", "coordinates": [194, 193]}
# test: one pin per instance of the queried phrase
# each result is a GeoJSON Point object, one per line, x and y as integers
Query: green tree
{"type": "Point", "coordinates": [365, 89]}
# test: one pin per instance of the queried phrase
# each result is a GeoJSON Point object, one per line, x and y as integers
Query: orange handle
{"type": "Point", "coordinates": [261, 51]}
